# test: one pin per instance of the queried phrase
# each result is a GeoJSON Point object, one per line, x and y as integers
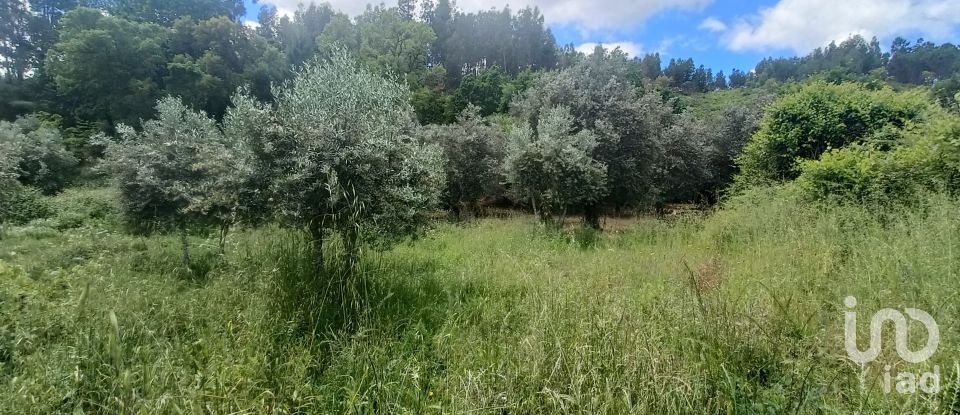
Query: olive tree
{"type": "Point", "coordinates": [251, 130]}
{"type": "Point", "coordinates": [346, 159]}
{"type": "Point", "coordinates": [473, 161]}
{"type": "Point", "coordinates": [552, 167]}
{"type": "Point", "coordinates": [683, 169]}
{"type": "Point", "coordinates": [628, 124]}
{"type": "Point", "coordinates": [178, 171]}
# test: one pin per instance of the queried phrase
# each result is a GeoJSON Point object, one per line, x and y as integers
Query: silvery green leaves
{"type": "Point", "coordinates": [346, 156]}
{"type": "Point", "coordinates": [179, 169]}
{"type": "Point", "coordinates": [335, 153]}
{"type": "Point", "coordinates": [627, 124]}
{"type": "Point", "coordinates": [553, 168]}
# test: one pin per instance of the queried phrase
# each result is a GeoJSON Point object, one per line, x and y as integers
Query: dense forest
{"type": "Point", "coordinates": [421, 209]}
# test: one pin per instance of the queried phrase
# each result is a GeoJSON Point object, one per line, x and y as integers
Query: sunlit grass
{"type": "Point", "coordinates": [739, 312]}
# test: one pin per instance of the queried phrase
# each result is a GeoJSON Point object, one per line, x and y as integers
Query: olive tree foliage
{"type": "Point", "coordinates": [179, 171]}
{"type": "Point", "coordinates": [37, 154]}
{"type": "Point", "coordinates": [474, 154]}
{"type": "Point", "coordinates": [346, 158]}
{"type": "Point", "coordinates": [251, 129]}
{"type": "Point", "coordinates": [628, 124]}
{"type": "Point", "coordinates": [552, 167]}
{"type": "Point", "coordinates": [683, 169]}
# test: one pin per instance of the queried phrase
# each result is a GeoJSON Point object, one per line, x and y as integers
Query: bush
{"type": "Point", "coordinates": [20, 204]}
{"type": "Point", "coordinates": [88, 203]}
{"type": "Point", "coordinates": [37, 150]}
{"type": "Point", "coordinates": [818, 117]}
{"type": "Point", "coordinates": [864, 174]}
{"type": "Point", "coordinates": [929, 160]}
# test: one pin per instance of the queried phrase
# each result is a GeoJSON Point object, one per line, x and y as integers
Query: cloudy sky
{"type": "Point", "coordinates": [721, 34]}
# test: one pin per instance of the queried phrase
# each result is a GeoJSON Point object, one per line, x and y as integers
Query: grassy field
{"type": "Point", "coordinates": [740, 311]}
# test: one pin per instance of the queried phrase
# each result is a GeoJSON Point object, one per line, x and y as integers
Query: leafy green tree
{"type": "Point", "coordinates": [681, 73]}
{"type": "Point", "coordinates": [347, 160]}
{"type": "Point", "coordinates": [818, 117]}
{"type": "Point", "coordinates": [928, 161]}
{"type": "Point", "coordinates": [468, 43]}
{"type": "Point", "coordinates": [650, 66]}
{"type": "Point", "coordinates": [106, 67]}
{"type": "Point", "coordinates": [719, 81]}
{"type": "Point", "coordinates": [166, 12]}
{"type": "Point", "coordinates": [37, 150]}
{"type": "Point", "coordinates": [850, 59]}
{"type": "Point", "coordinates": [913, 63]}
{"type": "Point", "coordinates": [16, 49]}
{"type": "Point", "coordinates": [406, 8]}
{"type": "Point", "coordinates": [946, 91]}
{"type": "Point", "coordinates": [738, 79]}
{"type": "Point", "coordinates": [298, 36]}
{"type": "Point", "coordinates": [340, 33]}
{"type": "Point", "coordinates": [390, 43]}
{"type": "Point", "coordinates": [212, 58]}
{"type": "Point", "coordinates": [701, 79]}
{"type": "Point", "coordinates": [485, 90]}
{"type": "Point", "coordinates": [731, 129]}
{"type": "Point", "coordinates": [474, 155]}
{"type": "Point", "coordinates": [552, 168]}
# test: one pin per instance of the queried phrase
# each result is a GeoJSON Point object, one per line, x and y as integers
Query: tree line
{"type": "Point", "coordinates": [202, 124]}
{"type": "Point", "coordinates": [98, 63]}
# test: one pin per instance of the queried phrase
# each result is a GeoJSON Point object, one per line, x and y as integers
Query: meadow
{"type": "Point", "coordinates": [738, 310]}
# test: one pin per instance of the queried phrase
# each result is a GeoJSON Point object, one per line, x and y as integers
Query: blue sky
{"type": "Point", "coordinates": [721, 34]}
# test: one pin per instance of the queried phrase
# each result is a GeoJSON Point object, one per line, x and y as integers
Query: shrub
{"type": "Point", "coordinates": [864, 174]}
{"type": "Point", "coordinates": [20, 204]}
{"type": "Point", "coordinates": [88, 203]}
{"type": "Point", "coordinates": [818, 117]}
{"type": "Point", "coordinates": [38, 152]}
{"type": "Point", "coordinates": [929, 159]}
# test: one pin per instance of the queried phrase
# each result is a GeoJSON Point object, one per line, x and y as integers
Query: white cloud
{"type": "Point", "coordinates": [251, 24]}
{"type": "Point", "coordinates": [588, 15]}
{"type": "Point", "coordinates": [630, 48]}
{"type": "Point", "coordinates": [803, 25]}
{"type": "Point", "coordinates": [713, 24]}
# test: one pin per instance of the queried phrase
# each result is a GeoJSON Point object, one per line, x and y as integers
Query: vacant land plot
{"type": "Point", "coordinates": [740, 311]}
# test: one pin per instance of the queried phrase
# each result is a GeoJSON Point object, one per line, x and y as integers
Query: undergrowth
{"type": "Point", "coordinates": [738, 312]}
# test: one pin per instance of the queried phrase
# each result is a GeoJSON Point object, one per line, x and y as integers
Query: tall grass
{"type": "Point", "coordinates": [739, 312]}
